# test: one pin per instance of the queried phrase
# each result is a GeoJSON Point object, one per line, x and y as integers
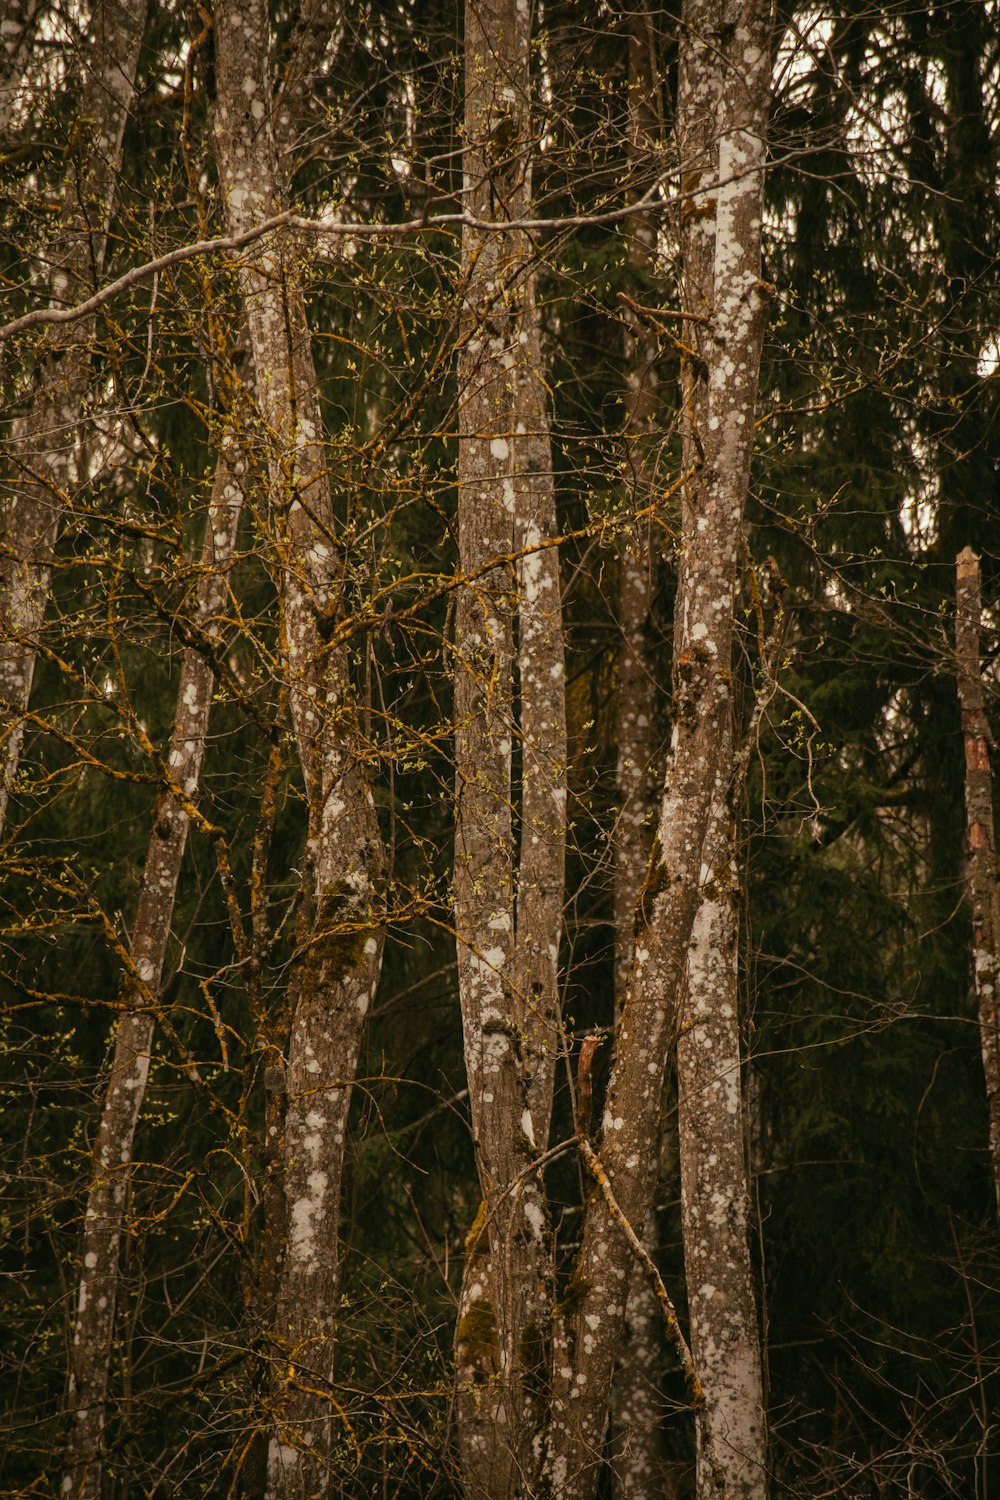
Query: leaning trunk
{"type": "Point", "coordinates": [730, 187]}
{"type": "Point", "coordinates": [91, 1352]}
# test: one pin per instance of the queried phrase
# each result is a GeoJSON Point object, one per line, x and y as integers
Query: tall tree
{"type": "Point", "coordinates": [984, 884]}
{"type": "Point", "coordinates": [639, 1458]}
{"type": "Point", "coordinates": [97, 1295]}
{"type": "Point", "coordinates": [735, 45]}
{"type": "Point", "coordinates": [715, 1194]}
{"type": "Point", "coordinates": [508, 917]}
{"type": "Point", "coordinates": [44, 439]}
{"type": "Point", "coordinates": [341, 961]}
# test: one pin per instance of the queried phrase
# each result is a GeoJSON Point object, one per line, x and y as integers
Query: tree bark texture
{"type": "Point", "coordinates": [638, 1457]}
{"type": "Point", "coordinates": [507, 971]}
{"type": "Point", "coordinates": [340, 966]}
{"type": "Point", "coordinates": [91, 1351]}
{"type": "Point", "coordinates": [735, 41]}
{"type": "Point", "coordinates": [44, 440]}
{"type": "Point", "coordinates": [984, 886]}
{"type": "Point", "coordinates": [724, 1335]}
{"type": "Point", "coordinates": [541, 865]}
{"type": "Point", "coordinates": [715, 1192]}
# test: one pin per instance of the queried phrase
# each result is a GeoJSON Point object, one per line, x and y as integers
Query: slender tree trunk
{"type": "Point", "coordinates": [507, 977]}
{"type": "Point", "coordinates": [715, 1193]}
{"type": "Point", "coordinates": [44, 441]}
{"type": "Point", "coordinates": [340, 966]}
{"type": "Point", "coordinates": [542, 723]}
{"type": "Point", "coordinates": [90, 1357]}
{"type": "Point", "coordinates": [984, 887]}
{"type": "Point", "coordinates": [725, 1341]}
{"type": "Point", "coordinates": [638, 1456]}
{"type": "Point", "coordinates": [735, 40]}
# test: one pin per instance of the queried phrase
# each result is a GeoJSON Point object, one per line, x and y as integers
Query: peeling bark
{"type": "Point", "coordinates": [984, 887]}
{"type": "Point", "coordinates": [44, 440]}
{"type": "Point", "coordinates": [90, 1355]}
{"type": "Point", "coordinates": [735, 42]}
{"type": "Point", "coordinates": [340, 966]}
{"type": "Point", "coordinates": [507, 976]}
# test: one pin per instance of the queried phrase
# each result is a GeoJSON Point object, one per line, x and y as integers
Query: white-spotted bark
{"type": "Point", "coordinates": [735, 39]}
{"type": "Point", "coordinates": [507, 960]}
{"type": "Point", "coordinates": [715, 1195]}
{"type": "Point", "coordinates": [983, 884]}
{"type": "Point", "coordinates": [340, 966]}
{"type": "Point", "coordinates": [715, 1192]}
{"type": "Point", "coordinates": [97, 1294]}
{"type": "Point", "coordinates": [45, 438]}
{"type": "Point", "coordinates": [542, 727]}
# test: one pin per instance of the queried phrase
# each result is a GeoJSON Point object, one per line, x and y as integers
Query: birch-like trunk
{"type": "Point", "coordinates": [90, 1355]}
{"type": "Point", "coordinates": [715, 1194]}
{"type": "Point", "coordinates": [715, 1190]}
{"type": "Point", "coordinates": [44, 440]}
{"type": "Point", "coordinates": [984, 886]}
{"type": "Point", "coordinates": [735, 42]}
{"type": "Point", "coordinates": [507, 975]}
{"type": "Point", "coordinates": [638, 1455]}
{"type": "Point", "coordinates": [339, 969]}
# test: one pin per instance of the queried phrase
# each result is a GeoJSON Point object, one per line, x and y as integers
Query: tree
{"type": "Point", "coordinates": [738, 77]}
{"type": "Point", "coordinates": [435, 365]}
{"type": "Point", "coordinates": [641, 1462]}
{"type": "Point", "coordinates": [342, 950]}
{"type": "Point", "coordinates": [984, 893]}
{"type": "Point", "coordinates": [508, 919]}
{"type": "Point", "coordinates": [73, 261]}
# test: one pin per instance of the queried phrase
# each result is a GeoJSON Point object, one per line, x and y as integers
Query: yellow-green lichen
{"type": "Point", "coordinates": [476, 1335]}
{"type": "Point", "coordinates": [475, 1234]}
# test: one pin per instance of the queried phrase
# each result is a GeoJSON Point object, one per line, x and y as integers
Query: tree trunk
{"type": "Point", "coordinates": [340, 966]}
{"type": "Point", "coordinates": [736, 50]}
{"type": "Point", "coordinates": [542, 722]}
{"type": "Point", "coordinates": [715, 1193]}
{"type": "Point", "coordinates": [638, 1457]}
{"type": "Point", "coordinates": [725, 1342]}
{"type": "Point", "coordinates": [984, 888]}
{"type": "Point", "coordinates": [44, 441]}
{"type": "Point", "coordinates": [507, 977]}
{"type": "Point", "coordinates": [90, 1356]}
